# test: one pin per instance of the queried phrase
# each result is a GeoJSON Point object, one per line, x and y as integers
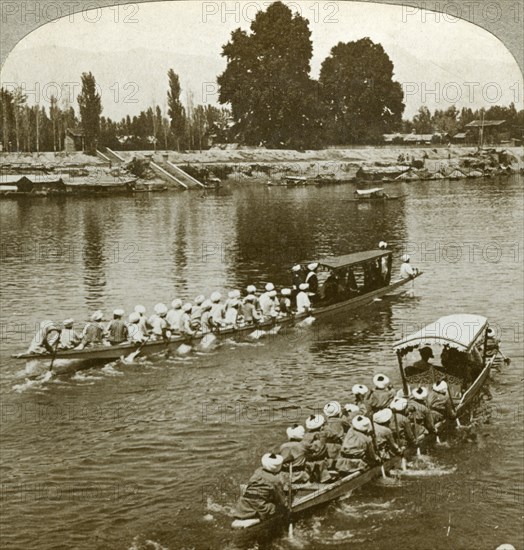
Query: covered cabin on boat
{"type": "Point", "coordinates": [344, 277]}
{"type": "Point", "coordinates": [32, 183]}
{"type": "Point", "coordinates": [459, 340]}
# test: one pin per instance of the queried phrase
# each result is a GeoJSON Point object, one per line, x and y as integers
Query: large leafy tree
{"type": "Point", "coordinates": [267, 81]}
{"type": "Point", "coordinates": [90, 107]}
{"type": "Point", "coordinates": [175, 110]}
{"type": "Point", "coordinates": [361, 99]}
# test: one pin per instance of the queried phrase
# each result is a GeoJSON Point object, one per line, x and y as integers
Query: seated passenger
{"type": "Point", "coordinates": [421, 413]}
{"type": "Point", "coordinates": [93, 331]}
{"type": "Point", "coordinates": [252, 290]}
{"type": "Point", "coordinates": [293, 452]}
{"type": "Point", "coordinates": [46, 338]}
{"type": "Point", "coordinates": [382, 394]}
{"type": "Point", "coordinates": [264, 495]}
{"type": "Point", "coordinates": [330, 288]}
{"type": "Point", "coordinates": [312, 281]}
{"type": "Point", "coordinates": [174, 315]}
{"type": "Point", "coordinates": [303, 302]}
{"type": "Point", "coordinates": [399, 405]}
{"type": "Point", "coordinates": [407, 271]}
{"type": "Point", "coordinates": [439, 402]}
{"type": "Point", "coordinates": [361, 394]}
{"type": "Point", "coordinates": [314, 442]}
{"type": "Point", "coordinates": [384, 435]}
{"type": "Point", "coordinates": [422, 365]}
{"type": "Point", "coordinates": [335, 429]}
{"type": "Point", "coordinates": [116, 330]}
{"type": "Point", "coordinates": [357, 451]}
{"type": "Point", "coordinates": [69, 339]}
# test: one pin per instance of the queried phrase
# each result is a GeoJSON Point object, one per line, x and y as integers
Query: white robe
{"type": "Point", "coordinates": [303, 302]}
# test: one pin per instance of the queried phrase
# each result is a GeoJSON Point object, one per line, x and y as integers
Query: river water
{"type": "Point", "coordinates": [150, 455]}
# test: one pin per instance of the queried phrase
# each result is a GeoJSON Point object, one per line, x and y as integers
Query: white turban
{"type": "Point", "coordinates": [332, 408]}
{"type": "Point", "coordinates": [361, 423]}
{"type": "Point", "coordinates": [272, 462]}
{"type": "Point", "coordinates": [314, 422]}
{"type": "Point", "coordinates": [359, 389]}
{"type": "Point", "coordinates": [296, 432]}
{"type": "Point", "coordinates": [383, 416]}
{"type": "Point", "coordinates": [381, 381]}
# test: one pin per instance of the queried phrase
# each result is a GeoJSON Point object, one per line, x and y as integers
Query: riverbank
{"type": "Point", "coordinates": [366, 164]}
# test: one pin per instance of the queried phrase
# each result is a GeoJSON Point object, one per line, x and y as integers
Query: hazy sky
{"type": "Point", "coordinates": [129, 49]}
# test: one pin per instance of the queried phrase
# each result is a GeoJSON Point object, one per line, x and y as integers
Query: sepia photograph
{"type": "Point", "coordinates": [262, 279]}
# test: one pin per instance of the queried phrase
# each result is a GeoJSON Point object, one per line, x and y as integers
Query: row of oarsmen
{"type": "Point", "coordinates": [203, 315]}
{"type": "Point", "coordinates": [380, 423]}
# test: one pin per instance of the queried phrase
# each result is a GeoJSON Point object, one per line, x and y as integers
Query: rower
{"type": "Point", "coordinates": [134, 329]}
{"type": "Point", "coordinates": [357, 451]}
{"type": "Point", "coordinates": [267, 302]}
{"type": "Point", "coordinates": [422, 365]}
{"type": "Point", "coordinates": [285, 301]}
{"type": "Point", "coordinates": [401, 422]}
{"type": "Point", "coordinates": [294, 453]}
{"type": "Point", "coordinates": [196, 312]}
{"type": "Point", "coordinates": [174, 315]}
{"type": "Point", "coordinates": [264, 495]}
{"type": "Point", "coordinates": [439, 402]}
{"type": "Point", "coordinates": [303, 301]}
{"type": "Point", "coordinates": [421, 413]}
{"type": "Point", "coordinates": [231, 317]}
{"type": "Point", "coordinates": [312, 280]}
{"type": "Point", "coordinates": [351, 410]}
{"type": "Point", "coordinates": [158, 323]}
{"type": "Point", "coordinates": [249, 311]}
{"type": "Point", "coordinates": [93, 331]}
{"type": "Point", "coordinates": [361, 394]}
{"type": "Point", "coordinates": [382, 394]}
{"type": "Point", "coordinates": [384, 435]}
{"type": "Point", "coordinates": [206, 321]}
{"type": "Point", "coordinates": [217, 309]}
{"type": "Point", "coordinates": [69, 338]}
{"type": "Point", "coordinates": [252, 290]}
{"type": "Point", "coordinates": [185, 320]}
{"type": "Point", "coordinates": [335, 429]}
{"type": "Point", "coordinates": [385, 263]}
{"type": "Point", "coordinates": [314, 442]}
{"type": "Point", "coordinates": [116, 330]}
{"type": "Point", "coordinates": [492, 343]}
{"type": "Point", "coordinates": [46, 338]}
{"type": "Point", "coordinates": [142, 323]}
{"type": "Point", "coordinates": [407, 271]}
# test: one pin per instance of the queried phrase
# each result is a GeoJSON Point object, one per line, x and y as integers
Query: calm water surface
{"type": "Point", "coordinates": [150, 455]}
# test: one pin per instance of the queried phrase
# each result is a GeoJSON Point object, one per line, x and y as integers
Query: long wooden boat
{"type": "Point", "coordinates": [472, 335]}
{"type": "Point", "coordinates": [355, 263]}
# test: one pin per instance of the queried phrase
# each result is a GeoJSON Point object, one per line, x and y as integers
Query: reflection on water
{"type": "Point", "coordinates": [155, 450]}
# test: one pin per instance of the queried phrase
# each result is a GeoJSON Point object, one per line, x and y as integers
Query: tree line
{"type": "Point", "coordinates": [268, 98]}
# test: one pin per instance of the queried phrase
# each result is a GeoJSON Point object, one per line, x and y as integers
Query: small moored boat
{"type": "Point", "coordinates": [375, 194]}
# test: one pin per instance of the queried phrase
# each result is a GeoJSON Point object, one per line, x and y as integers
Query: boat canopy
{"type": "Point", "coordinates": [460, 331]}
{"type": "Point", "coordinates": [369, 191]}
{"type": "Point", "coordinates": [336, 262]}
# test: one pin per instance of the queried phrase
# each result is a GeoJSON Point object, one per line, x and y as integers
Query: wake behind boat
{"type": "Point", "coordinates": [343, 283]}
{"type": "Point", "coordinates": [467, 356]}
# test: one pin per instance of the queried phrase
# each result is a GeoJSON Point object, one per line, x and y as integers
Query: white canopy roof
{"type": "Point", "coordinates": [369, 191]}
{"type": "Point", "coordinates": [459, 331]}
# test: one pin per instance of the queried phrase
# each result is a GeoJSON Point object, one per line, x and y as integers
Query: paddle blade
{"type": "Point", "coordinates": [404, 464]}
{"type": "Point", "coordinates": [208, 340]}
{"type": "Point", "coordinates": [307, 322]}
{"type": "Point", "coordinates": [256, 334]}
{"type": "Point", "coordinates": [183, 349]}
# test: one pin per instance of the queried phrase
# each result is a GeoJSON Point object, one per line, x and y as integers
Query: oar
{"type": "Point", "coordinates": [131, 357]}
{"type": "Point", "coordinates": [55, 349]}
{"type": "Point", "coordinates": [416, 435]}
{"type": "Point", "coordinates": [290, 501]}
{"type": "Point", "coordinates": [374, 438]}
{"type": "Point", "coordinates": [507, 360]}
{"type": "Point", "coordinates": [403, 459]}
{"type": "Point", "coordinates": [453, 408]}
